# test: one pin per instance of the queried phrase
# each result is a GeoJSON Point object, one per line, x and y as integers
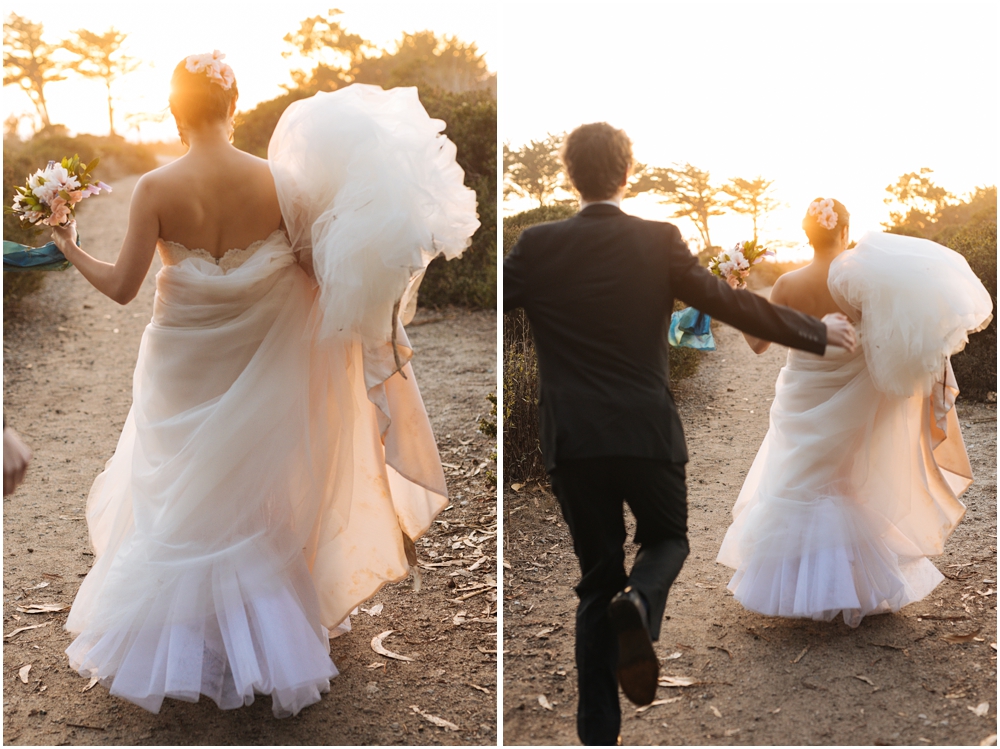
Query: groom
{"type": "Point", "coordinates": [598, 289]}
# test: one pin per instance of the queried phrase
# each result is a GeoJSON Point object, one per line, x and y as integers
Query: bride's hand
{"type": "Point", "coordinates": [839, 331]}
{"type": "Point", "coordinates": [64, 235]}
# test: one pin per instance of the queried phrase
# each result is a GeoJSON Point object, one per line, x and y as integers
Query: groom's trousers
{"type": "Point", "coordinates": [590, 493]}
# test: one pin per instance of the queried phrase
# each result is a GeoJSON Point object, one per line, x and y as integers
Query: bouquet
{"type": "Point", "coordinates": [49, 198]}
{"type": "Point", "coordinates": [50, 195]}
{"type": "Point", "coordinates": [733, 266]}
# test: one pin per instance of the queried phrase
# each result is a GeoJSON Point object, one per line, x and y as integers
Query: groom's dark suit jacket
{"type": "Point", "coordinates": [598, 289]}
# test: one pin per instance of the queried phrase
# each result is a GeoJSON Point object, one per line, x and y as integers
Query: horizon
{"type": "Point", "coordinates": [253, 47]}
{"type": "Point", "coordinates": [818, 99]}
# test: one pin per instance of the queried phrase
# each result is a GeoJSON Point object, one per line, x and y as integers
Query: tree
{"type": "Point", "coordinates": [426, 60]}
{"type": "Point", "coordinates": [917, 200]}
{"type": "Point", "coordinates": [335, 52]}
{"type": "Point", "coordinates": [690, 189]}
{"type": "Point", "coordinates": [100, 56]}
{"type": "Point", "coordinates": [28, 62]}
{"type": "Point", "coordinates": [534, 170]}
{"type": "Point", "coordinates": [751, 197]}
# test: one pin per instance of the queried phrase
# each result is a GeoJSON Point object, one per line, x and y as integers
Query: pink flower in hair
{"type": "Point", "coordinates": [213, 66]}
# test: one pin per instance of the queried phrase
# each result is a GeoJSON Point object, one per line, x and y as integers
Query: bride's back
{"type": "Point", "coordinates": [215, 198]}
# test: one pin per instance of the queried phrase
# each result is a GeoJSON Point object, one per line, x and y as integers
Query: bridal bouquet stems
{"type": "Point", "coordinates": [734, 265]}
{"type": "Point", "coordinates": [50, 195]}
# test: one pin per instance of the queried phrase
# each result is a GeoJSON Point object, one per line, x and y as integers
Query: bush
{"type": "Point", "coordinates": [764, 274]}
{"type": "Point", "coordinates": [522, 455]}
{"type": "Point", "coordinates": [975, 367]}
{"type": "Point", "coordinates": [471, 118]}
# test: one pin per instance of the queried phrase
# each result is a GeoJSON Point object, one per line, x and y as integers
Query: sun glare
{"type": "Point", "coordinates": [825, 99]}
{"type": "Point", "coordinates": [253, 43]}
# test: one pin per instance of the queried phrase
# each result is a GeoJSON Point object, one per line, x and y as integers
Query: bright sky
{"type": "Point", "coordinates": [249, 33]}
{"type": "Point", "coordinates": [830, 99]}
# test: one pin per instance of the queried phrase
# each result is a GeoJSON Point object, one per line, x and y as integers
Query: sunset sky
{"type": "Point", "coordinates": [826, 98]}
{"type": "Point", "coordinates": [249, 33]}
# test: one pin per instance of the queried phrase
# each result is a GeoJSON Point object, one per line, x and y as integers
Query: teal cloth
{"type": "Point", "coordinates": [19, 257]}
{"type": "Point", "coordinates": [691, 329]}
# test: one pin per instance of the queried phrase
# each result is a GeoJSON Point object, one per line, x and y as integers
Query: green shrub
{"type": "Point", "coordinates": [522, 455]}
{"type": "Point", "coordinates": [976, 366]}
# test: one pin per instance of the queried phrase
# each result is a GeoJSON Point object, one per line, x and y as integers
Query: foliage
{"type": "Point", "coordinates": [100, 56]}
{"type": "Point", "coordinates": [420, 59]}
{"type": "Point", "coordinates": [522, 456]}
{"type": "Point", "coordinates": [28, 61]}
{"type": "Point", "coordinates": [969, 227]}
{"type": "Point", "coordinates": [915, 201]}
{"type": "Point", "coordinates": [751, 197]}
{"type": "Point", "coordinates": [766, 273]}
{"type": "Point", "coordinates": [690, 189]}
{"type": "Point", "coordinates": [975, 367]}
{"type": "Point", "coordinates": [488, 426]}
{"type": "Point", "coordinates": [534, 170]}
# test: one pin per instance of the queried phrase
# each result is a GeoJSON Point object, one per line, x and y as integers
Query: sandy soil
{"type": "Point", "coordinates": [760, 680]}
{"type": "Point", "coordinates": [68, 361]}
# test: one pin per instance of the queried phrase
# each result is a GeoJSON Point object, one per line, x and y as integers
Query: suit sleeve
{"type": "Point", "coordinates": [515, 276]}
{"type": "Point", "coordinates": [740, 308]}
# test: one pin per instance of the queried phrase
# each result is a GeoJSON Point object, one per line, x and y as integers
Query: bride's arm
{"type": "Point", "coordinates": [120, 280]}
{"type": "Point", "coordinates": [759, 345]}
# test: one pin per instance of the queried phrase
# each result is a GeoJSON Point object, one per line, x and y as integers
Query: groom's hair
{"type": "Point", "coordinates": [597, 157]}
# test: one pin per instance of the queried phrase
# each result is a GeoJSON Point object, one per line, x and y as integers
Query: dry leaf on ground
{"type": "Point", "coordinates": [19, 630]}
{"type": "Point", "coordinates": [378, 647]}
{"type": "Point", "coordinates": [42, 608]}
{"type": "Point", "coordinates": [22, 674]}
{"type": "Point", "coordinates": [715, 711]}
{"type": "Point", "coordinates": [440, 722]}
{"type": "Point", "coordinates": [654, 703]}
{"type": "Point", "coordinates": [968, 637]}
{"type": "Point", "coordinates": [544, 702]}
{"type": "Point", "coordinates": [374, 610]}
{"type": "Point", "coordinates": [979, 710]}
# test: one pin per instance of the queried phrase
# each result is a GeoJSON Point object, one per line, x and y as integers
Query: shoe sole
{"type": "Point", "coordinates": [638, 667]}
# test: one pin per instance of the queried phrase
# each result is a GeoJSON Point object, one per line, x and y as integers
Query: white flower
{"type": "Point", "coordinates": [213, 66]}
{"type": "Point", "coordinates": [824, 212]}
{"type": "Point", "coordinates": [727, 268]}
{"type": "Point", "coordinates": [46, 191]}
{"type": "Point", "coordinates": [36, 179]}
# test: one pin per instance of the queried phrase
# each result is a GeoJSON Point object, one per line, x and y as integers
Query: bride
{"type": "Point", "coordinates": [277, 461]}
{"type": "Point", "coordinates": [858, 479]}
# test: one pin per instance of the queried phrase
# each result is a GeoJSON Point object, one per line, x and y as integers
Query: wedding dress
{"type": "Point", "coordinates": [277, 457]}
{"type": "Point", "coordinates": [858, 479]}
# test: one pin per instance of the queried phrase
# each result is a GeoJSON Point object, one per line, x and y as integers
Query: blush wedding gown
{"type": "Point", "coordinates": [859, 476]}
{"type": "Point", "coordinates": [277, 457]}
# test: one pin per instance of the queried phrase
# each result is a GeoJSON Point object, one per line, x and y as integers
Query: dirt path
{"type": "Point", "coordinates": [762, 680]}
{"type": "Point", "coordinates": [68, 361]}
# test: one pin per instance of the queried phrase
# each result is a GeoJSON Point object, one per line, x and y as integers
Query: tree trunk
{"type": "Point", "coordinates": [111, 112]}
{"type": "Point", "coordinates": [43, 108]}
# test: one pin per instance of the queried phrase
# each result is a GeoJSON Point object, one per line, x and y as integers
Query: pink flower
{"type": "Point", "coordinates": [75, 196]}
{"type": "Point", "coordinates": [102, 186]}
{"type": "Point", "coordinates": [60, 212]}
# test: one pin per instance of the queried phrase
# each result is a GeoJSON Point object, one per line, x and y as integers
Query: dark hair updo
{"type": "Point", "coordinates": [817, 222]}
{"type": "Point", "coordinates": [195, 99]}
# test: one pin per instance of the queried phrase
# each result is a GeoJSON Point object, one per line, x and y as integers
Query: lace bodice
{"type": "Point", "coordinates": [173, 253]}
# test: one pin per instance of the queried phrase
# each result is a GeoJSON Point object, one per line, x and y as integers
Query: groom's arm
{"type": "Point", "coordinates": [740, 308]}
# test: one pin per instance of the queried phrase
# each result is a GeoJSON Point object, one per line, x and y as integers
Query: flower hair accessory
{"type": "Point", "coordinates": [213, 66]}
{"type": "Point", "coordinates": [824, 213]}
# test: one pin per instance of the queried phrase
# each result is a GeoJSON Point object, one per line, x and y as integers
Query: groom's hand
{"type": "Point", "coordinates": [839, 331]}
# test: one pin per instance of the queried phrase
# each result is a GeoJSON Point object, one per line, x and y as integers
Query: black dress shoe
{"type": "Point", "coordinates": [638, 668]}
